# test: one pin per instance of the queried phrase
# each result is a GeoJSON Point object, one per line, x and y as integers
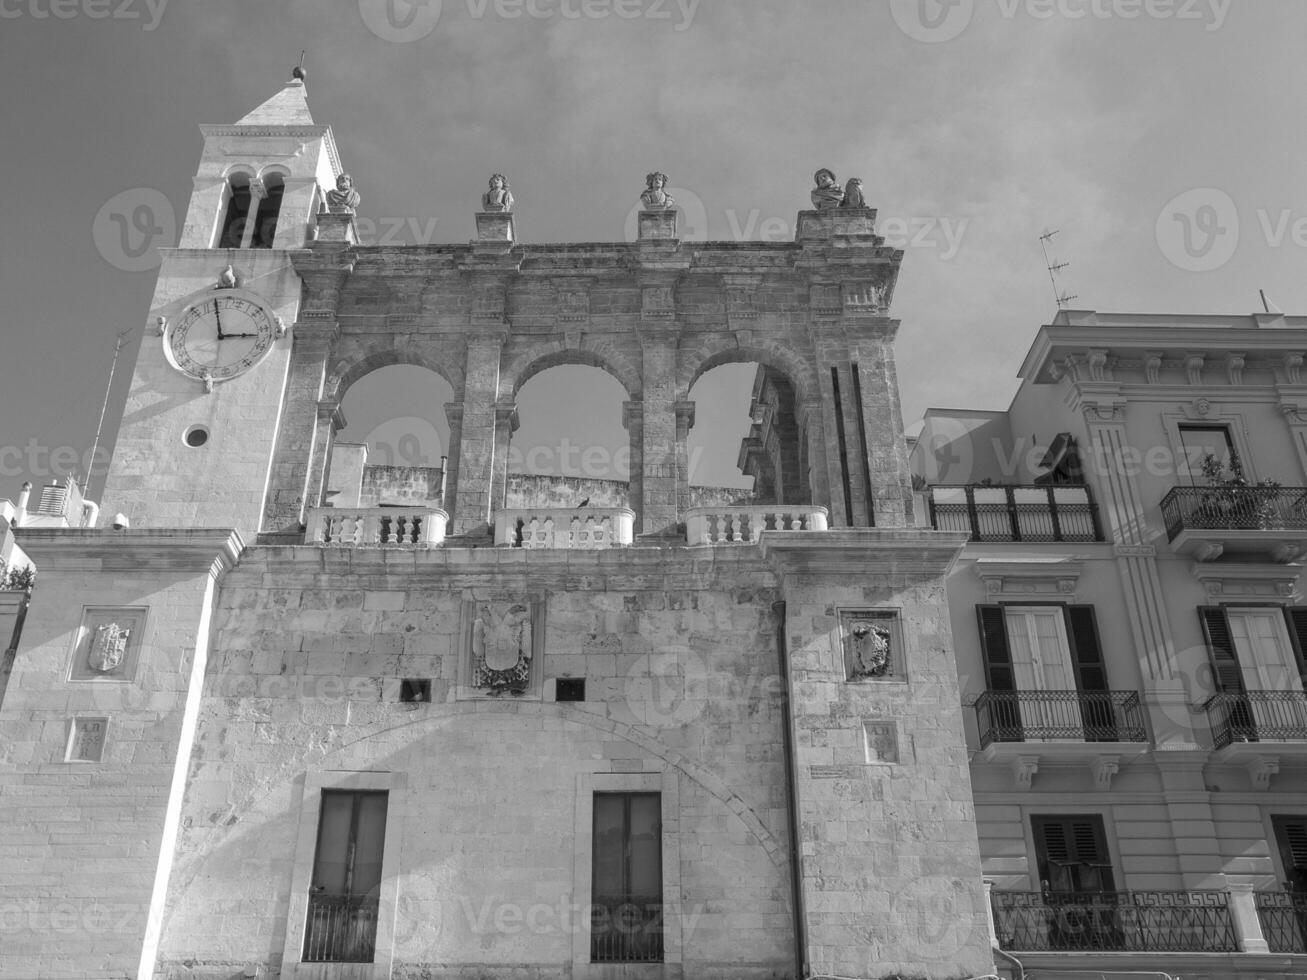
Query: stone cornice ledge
{"type": "Point", "coordinates": [149, 551]}
{"type": "Point", "coordinates": [875, 551]}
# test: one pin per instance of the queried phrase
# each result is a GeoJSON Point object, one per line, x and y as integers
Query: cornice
{"type": "Point", "coordinates": [146, 551]}
{"type": "Point", "coordinates": [863, 551]}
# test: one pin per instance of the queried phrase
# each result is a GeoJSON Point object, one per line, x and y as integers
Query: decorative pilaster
{"type": "Point", "coordinates": [684, 423]}
{"type": "Point", "coordinates": [506, 423]}
{"type": "Point", "coordinates": [477, 443]}
{"type": "Point", "coordinates": [1243, 909]}
{"type": "Point", "coordinates": [330, 421]}
{"type": "Point", "coordinates": [454, 415]}
{"type": "Point", "coordinates": [633, 422]}
{"type": "Point", "coordinates": [658, 451]}
{"type": "Point", "coordinates": [876, 397]}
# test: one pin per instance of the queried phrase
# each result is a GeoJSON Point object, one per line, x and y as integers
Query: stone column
{"type": "Point", "coordinates": [684, 423]}
{"type": "Point", "coordinates": [476, 447]}
{"type": "Point", "coordinates": [633, 422]}
{"type": "Point", "coordinates": [814, 451]}
{"type": "Point", "coordinates": [330, 421]}
{"type": "Point", "coordinates": [257, 193]}
{"type": "Point", "coordinates": [299, 437]}
{"type": "Point", "coordinates": [876, 397]}
{"type": "Point", "coordinates": [506, 423]}
{"type": "Point", "coordinates": [454, 414]}
{"type": "Point", "coordinates": [658, 513]}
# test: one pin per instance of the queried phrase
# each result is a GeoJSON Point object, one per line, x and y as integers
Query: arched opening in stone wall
{"type": "Point", "coordinates": [571, 446]}
{"type": "Point", "coordinates": [392, 451]}
{"type": "Point", "coordinates": [745, 445]}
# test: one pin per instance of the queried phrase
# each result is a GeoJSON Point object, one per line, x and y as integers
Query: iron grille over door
{"type": "Point", "coordinates": [342, 920]}
{"type": "Point", "coordinates": [627, 884]}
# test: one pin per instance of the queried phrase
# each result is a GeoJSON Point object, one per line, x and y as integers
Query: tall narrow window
{"type": "Point", "coordinates": [1284, 916]}
{"type": "Point", "coordinates": [342, 918]}
{"type": "Point", "coordinates": [237, 214]}
{"type": "Point", "coordinates": [1197, 441]}
{"type": "Point", "coordinates": [627, 884]}
{"type": "Point", "coordinates": [265, 220]}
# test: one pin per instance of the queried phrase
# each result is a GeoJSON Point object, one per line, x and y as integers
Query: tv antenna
{"type": "Point", "coordinates": [99, 428]}
{"type": "Point", "coordinates": [1055, 268]}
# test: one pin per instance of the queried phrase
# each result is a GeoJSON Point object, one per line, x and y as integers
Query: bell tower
{"type": "Point", "coordinates": [201, 420]}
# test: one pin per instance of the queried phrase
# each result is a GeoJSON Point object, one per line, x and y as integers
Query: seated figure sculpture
{"type": "Point", "coordinates": [498, 197]}
{"type": "Point", "coordinates": [827, 193]}
{"type": "Point", "coordinates": [343, 198]}
{"type": "Point", "coordinates": [655, 197]}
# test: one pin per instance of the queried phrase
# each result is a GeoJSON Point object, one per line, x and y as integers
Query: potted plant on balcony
{"type": "Point", "coordinates": [1231, 499]}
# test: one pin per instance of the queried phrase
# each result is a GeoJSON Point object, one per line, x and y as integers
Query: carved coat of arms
{"type": "Point", "coordinates": [869, 643]}
{"type": "Point", "coordinates": [501, 647]}
{"type": "Point", "coordinates": [108, 647]}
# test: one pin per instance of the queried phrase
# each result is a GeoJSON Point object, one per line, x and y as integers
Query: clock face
{"type": "Point", "coordinates": [220, 337]}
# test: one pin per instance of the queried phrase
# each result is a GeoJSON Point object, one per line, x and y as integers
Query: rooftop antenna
{"type": "Point", "coordinates": [99, 428]}
{"type": "Point", "coordinates": [1055, 268]}
{"type": "Point", "coordinates": [298, 70]}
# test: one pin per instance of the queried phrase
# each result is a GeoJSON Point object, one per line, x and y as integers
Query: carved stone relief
{"type": "Point", "coordinates": [872, 645]}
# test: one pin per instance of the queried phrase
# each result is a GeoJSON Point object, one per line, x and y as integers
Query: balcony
{"type": "Point", "coordinates": [626, 930]}
{"type": "Point", "coordinates": [1133, 921]}
{"type": "Point", "coordinates": [1206, 522]}
{"type": "Point", "coordinates": [422, 527]}
{"type": "Point", "coordinates": [1016, 513]}
{"type": "Point", "coordinates": [340, 929]}
{"type": "Point", "coordinates": [1257, 716]}
{"type": "Point", "coordinates": [745, 524]}
{"type": "Point", "coordinates": [1059, 716]}
{"type": "Point", "coordinates": [1283, 916]}
{"type": "Point", "coordinates": [574, 528]}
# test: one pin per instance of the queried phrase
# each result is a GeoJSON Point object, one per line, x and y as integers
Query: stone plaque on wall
{"type": "Point", "coordinates": [502, 645]}
{"type": "Point", "coordinates": [86, 740]}
{"type": "Point", "coordinates": [108, 644]}
{"type": "Point", "coordinates": [882, 742]}
{"type": "Point", "coordinates": [871, 642]}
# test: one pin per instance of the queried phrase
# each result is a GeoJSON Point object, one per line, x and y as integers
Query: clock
{"type": "Point", "coordinates": [221, 337]}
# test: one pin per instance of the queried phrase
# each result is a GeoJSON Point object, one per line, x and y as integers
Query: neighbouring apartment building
{"type": "Point", "coordinates": [292, 715]}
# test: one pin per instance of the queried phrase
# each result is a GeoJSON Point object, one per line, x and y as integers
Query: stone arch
{"type": "Point", "coordinates": [797, 368]}
{"type": "Point", "coordinates": [535, 360]}
{"type": "Point", "coordinates": [242, 169]}
{"type": "Point", "coordinates": [351, 364]}
{"type": "Point", "coordinates": [275, 170]}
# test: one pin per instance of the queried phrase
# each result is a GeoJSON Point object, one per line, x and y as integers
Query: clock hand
{"type": "Point", "coordinates": [218, 316]}
{"type": "Point", "coordinates": [229, 335]}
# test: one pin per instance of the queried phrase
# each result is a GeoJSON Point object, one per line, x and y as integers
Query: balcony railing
{"type": "Point", "coordinates": [340, 929]}
{"type": "Point", "coordinates": [1284, 920]}
{"type": "Point", "coordinates": [1019, 513]}
{"type": "Point", "coordinates": [745, 524]}
{"type": "Point", "coordinates": [591, 528]}
{"type": "Point", "coordinates": [627, 930]}
{"type": "Point", "coordinates": [353, 528]}
{"type": "Point", "coordinates": [1257, 716]}
{"type": "Point", "coordinates": [1145, 922]}
{"type": "Point", "coordinates": [1069, 716]}
{"type": "Point", "coordinates": [1234, 509]}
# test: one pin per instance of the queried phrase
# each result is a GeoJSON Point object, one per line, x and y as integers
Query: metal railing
{"type": "Point", "coordinates": [628, 930]}
{"type": "Point", "coordinates": [340, 929]}
{"type": "Point", "coordinates": [744, 524]}
{"type": "Point", "coordinates": [1075, 716]}
{"type": "Point", "coordinates": [1257, 716]}
{"type": "Point", "coordinates": [1284, 920]}
{"type": "Point", "coordinates": [1016, 513]}
{"type": "Point", "coordinates": [1234, 508]}
{"type": "Point", "coordinates": [1131, 921]}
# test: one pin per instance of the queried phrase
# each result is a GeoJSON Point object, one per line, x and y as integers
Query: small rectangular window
{"type": "Point", "coordinates": [342, 916]}
{"type": "Point", "coordinates": [415, 690]}
{"type": "Point", "coordinates": [569, 689]}
{"type": "Point", "coordinates": [627, 886]}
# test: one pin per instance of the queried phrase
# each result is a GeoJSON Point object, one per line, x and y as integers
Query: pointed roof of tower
{"type": "Point", "coordinates": [289, 107]}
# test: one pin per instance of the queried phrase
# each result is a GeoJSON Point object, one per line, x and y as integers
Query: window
{"type": "Point", "coordinates": [1197, 441]}
{"type": "Point", "coordinates": [627, 885]}
{"type": "Point", "coordinates": [1291, 839]}
{"type": "Point", "coordinates": [415, 690]}
{"type": "Point", "coordinates": [1075, 876]}
{"type": "Point", "coordinates": [1256, 654]}
{"type": "Point", "coordinates": [569, 689]}
{"type": "Point", "coordinates": [265, 219]}
{"type": "Point", "coordinates": [342, 916]}
{"type": "Point", "coordinates": [236, 217]}
{"type": "Point", "coordinates": [1052, 649]}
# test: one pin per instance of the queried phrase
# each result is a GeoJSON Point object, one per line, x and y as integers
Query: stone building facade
{"type": "Point", "coordinates": [252, 733]}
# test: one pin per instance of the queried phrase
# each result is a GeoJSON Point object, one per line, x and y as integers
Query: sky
{"type": "Point", "coordinates": [1162, 139]}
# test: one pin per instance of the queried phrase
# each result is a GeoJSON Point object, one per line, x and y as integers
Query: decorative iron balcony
{"type": "Point", "coordinates": [1284, 920]}
{"type": "Point", "coordinates": [628, 930]}
{"type": "Point", "coordinates": [1257, 716]}
{"type": "Point", "coordinates": [1207, 521]}
{"type": "Point", "coordinates": [1017, 513]}
{"type": "Point", "coordinates": [340, 929]}
{"type": "Point", "coordinates": [375, 527]}
{"type": "Point", "coordinates": [1067, 716]}
{"type": "Point", "coordinates": [744, 524]}
{"type": "Point", "coordinates": [1142, 922]}
{"type": "Point", "coordinates": [567, 528]}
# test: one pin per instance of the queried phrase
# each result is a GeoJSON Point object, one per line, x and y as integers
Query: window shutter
{"type": "Point", "coordinates": [1072, 853]}
{"type": "Point", "coordinates": [1086, 654]}
{"type": "Point", "coordinates": [993, 645]}
{"type": "Point", "coordinates": [1297, 617]}
{"type": "Point", "coordinates": [1220, 648]}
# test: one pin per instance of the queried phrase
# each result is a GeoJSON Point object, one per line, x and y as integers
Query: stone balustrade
{"type": "Point", "coordinates": [588, 528]}
{"type": "Point", "coordinates": [744, 524]}
{"type": "Point", "coordinates": [375, 527]}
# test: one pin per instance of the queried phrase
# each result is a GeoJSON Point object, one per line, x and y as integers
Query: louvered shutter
{"type": "Point", "coordinates": [1297, 617]}
{"type": "Point", "coordinates": [1220, 648]}
{"type": "Point", "coordinates": [994, 646]}
{"type": "Point", "coordinates": [1086, 655]}
{"type": "Point", "coordinates": [1291, 836]}
{"type": "Point", "coordinates": [1072, 853]}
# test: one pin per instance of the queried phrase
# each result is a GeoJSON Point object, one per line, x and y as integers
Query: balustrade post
{"type": "Point", "coordinates": [1243, 910]}
{"type": "Point", "coordinates": [989, 911]}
